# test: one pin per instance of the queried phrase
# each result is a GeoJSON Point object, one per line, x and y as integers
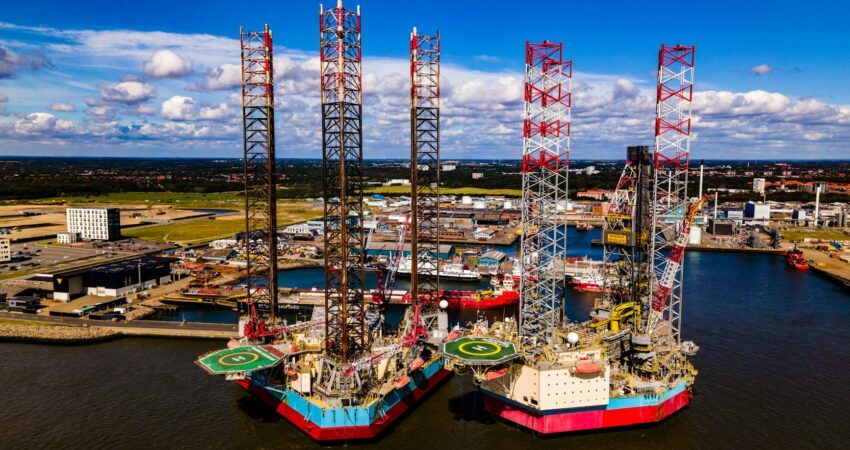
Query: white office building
{"type": "Point", "coordinates": [98, 224]}
{"type": "Point", "coordinates": [758, 185]}
{"type": "Point", "coordinates": [5, 250]}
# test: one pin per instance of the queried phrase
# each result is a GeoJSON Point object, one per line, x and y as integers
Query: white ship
{"type": "Point", "coordinates": [448, 271]}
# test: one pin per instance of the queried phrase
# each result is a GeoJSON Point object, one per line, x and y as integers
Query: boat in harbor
{"type": "Point", "coordinates": [795, 259]}
{"type": "Point", "coordinates": [587, 282]}
{"type": "Point", "coordinates": [449, 271]}
{"type": "Point", "coordinates": [501, 294]}
{"type": "Point", "coordinates": [578, 266]}
{"type": "Point", "coordinates": [584, 226]}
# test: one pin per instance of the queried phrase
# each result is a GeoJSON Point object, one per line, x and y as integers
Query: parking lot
{"type": "Point", "coordinates": [30, 257]}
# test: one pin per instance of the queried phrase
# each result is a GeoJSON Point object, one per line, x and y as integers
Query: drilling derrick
{"type": "Point", "coordinates": [342, 157]}
{"type": "Point", "coordinates": [260, 197]}
{"type": "Point", "coordinates": [425, 170]}
{"type": "Point", "coordinates": [672, 154]}
{"type": "Point", "coordinates": [545, 164]}
{"type": "Point", "coordinates": [626, 236]}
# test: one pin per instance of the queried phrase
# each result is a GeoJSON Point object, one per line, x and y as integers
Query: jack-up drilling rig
{"type": "Point", "coordinates": [626, 365]}
{"type": "Point", "coordinates": [337, 377]}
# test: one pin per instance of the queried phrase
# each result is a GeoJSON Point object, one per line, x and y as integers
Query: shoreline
{"type": "Point", "coordinates": [48, 334]}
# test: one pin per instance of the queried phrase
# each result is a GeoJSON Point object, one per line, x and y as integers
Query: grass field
{"type": "Point", "coordinates": [798, 234]}
{"type": "Point", "coordinates": [190, 232]}
{"type": "Point", "coordinates": [447, 191]}
{"type": "Point", "coordinates": [204, 230]}
{"type": "Point", "coordinates": [177, 199]}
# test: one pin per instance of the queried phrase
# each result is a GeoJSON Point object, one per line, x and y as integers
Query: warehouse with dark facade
{"type": "Point", "coordinates": [115, 279]}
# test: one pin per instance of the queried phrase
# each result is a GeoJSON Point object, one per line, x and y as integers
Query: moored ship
{"type": "Point", "coordinates": [448, 271]}
{"type": "Point", "coordinates": [589, 282]}
{"type": "Point", "coordinates": [795, 259]}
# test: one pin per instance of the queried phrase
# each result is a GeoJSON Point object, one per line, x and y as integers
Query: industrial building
{"type": "Point", "coordinates": [95, 224]}
{"type": "Point", "coordinates": [759, 211]}
{"type": "Point", "coordinates": [5, 250]}
{"type": "Point", "coordinates": [115, 279]}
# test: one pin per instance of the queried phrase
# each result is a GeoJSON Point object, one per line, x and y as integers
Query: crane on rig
{"type": "Point", "coordinates": [672, 265]}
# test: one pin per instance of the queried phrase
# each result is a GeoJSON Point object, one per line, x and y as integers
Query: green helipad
{"type": "Point", "coordinates": [480, 350]}
{"type": "Point", "coordinates": [239, 359]}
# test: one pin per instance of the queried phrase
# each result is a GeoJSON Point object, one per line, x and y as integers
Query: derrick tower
{"type": "Point", "coordinates": [545, 164]}
{"type": "Point", "coordinates": [670, 161]}
{"type": "Point", "coordinates": [425, 169]}
{"type": "Point", "coordinates": [260, 197]}
{"type": "Point", "coordinates": [342, 158]}
{"type": "Point", "coordinates": [627, 232]}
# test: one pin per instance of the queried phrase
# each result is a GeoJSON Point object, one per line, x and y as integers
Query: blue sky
{"type": "Point", "coordinates": [771, 77]}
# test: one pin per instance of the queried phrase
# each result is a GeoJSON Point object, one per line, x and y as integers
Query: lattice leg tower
{"type": "Point", "coordinates": [260, 189]}
{"type": "Point", "coordinates": [672, 156]}
{"type": "Point", "coordinates": [425, 170]}
{"type": "Point", "coordinates": [545, 164]}
{"type": "Point", "coordinates": [342, 156]}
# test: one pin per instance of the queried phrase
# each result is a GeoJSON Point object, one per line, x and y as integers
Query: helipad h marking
{"type": "Point", "coordinates": [238, 359]}
{"type": "Point", "coordinates": [480, 348]}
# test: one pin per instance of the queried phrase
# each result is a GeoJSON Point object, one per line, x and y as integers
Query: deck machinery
{"type": "Point", "coordinates": [342, 376]}
{"type": "Point", "coordinates": [626, 365]}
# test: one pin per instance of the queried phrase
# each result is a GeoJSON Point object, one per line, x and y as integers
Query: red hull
{"type": "Point", "coordinates": [468, 300]}
{"type": "Point", "coordinates": [587, 420]}
{"type": "Point", "coordinates": [352, 433]}
{"type": "Point", "coordinates": [585, 287]}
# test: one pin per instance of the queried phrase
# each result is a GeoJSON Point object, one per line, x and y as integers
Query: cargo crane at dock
{"type": "Point", "coordinates": [338, 377]}
{"type": "Point", "coordinates": [627, 365]}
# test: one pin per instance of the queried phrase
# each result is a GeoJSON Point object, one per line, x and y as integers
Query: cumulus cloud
{"type": "Point", "coordinates": [179, 108]}
{"type": "Point", "coordinates": [481, 109]}
{"type": "Point", "coordinates": [128, 92]}
{"type": "Point", "coordinates": [62, 107]}
{"type": "Point", "coordinates": [221, 112]}
{"type": "Point", "coordinates": [225, 76]}
{"type": "Point", "coordinates": [167, 64]}
{"type": "Point", "coordinates": [42, 123]}
{"type": "Point", "coordinates": [761, 69]}
{"type": "Point", "coordinates": [101, 112]}
{"type": "Point", "coordinates": [12, 63]}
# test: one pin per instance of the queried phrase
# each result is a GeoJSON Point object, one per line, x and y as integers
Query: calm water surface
{"type": "Point", "coordinates": [773, 368]}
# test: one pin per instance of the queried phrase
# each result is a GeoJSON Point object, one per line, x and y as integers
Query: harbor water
{"type": "Point", "coordinates": [773, 373]}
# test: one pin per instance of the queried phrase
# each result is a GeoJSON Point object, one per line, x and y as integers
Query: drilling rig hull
{"type": "Point", "coordinates": [619, 412]}
{"type": "Point", "coordinates": [352, 423]}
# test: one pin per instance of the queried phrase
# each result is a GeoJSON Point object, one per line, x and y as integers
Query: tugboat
{"type": "Point", "coordinates": [502, 294]}
{"type": "Point", "coordinates": [795, 259]}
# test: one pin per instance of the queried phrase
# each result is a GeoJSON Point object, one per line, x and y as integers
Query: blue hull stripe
{"type": "Point", "coordinates": [352, 416]}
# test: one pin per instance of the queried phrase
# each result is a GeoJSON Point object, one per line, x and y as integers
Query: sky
{"type": "Point", "coordinates": [161, 79]}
